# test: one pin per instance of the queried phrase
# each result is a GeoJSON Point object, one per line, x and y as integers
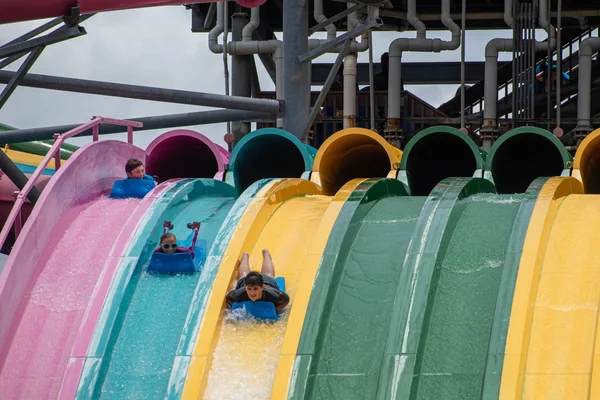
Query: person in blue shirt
{"type": "Point", "coordinates": [541, 72]}
{"type": "Point", "coordinates": [135, 169]}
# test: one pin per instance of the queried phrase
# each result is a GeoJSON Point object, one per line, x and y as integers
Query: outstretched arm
{"type": "Point", "coordinates": [282, 302]}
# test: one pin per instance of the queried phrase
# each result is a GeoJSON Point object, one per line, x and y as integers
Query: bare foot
{"type": "Point", "coordinates": [266, 253]}
{"type": "Point", "coordinates": [244, 256]}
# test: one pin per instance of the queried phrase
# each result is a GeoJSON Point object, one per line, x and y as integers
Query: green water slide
{"type": "Point", "coordinates": [38, 147]}
{"type": "Point", "coordinates": [150, 321]}
{"type": "Point", "coordinates": [429, 282]}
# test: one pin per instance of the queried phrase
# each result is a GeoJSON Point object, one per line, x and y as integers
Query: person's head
{"type": "Point", "coordinates": [254, 285]}
{"type": "Point", "coordinates": [168, 243]}
{"type": "Point", "coordinates": [135, 169]}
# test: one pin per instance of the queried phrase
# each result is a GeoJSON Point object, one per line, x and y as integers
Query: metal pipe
{"type": "Point", "coordinates": [462, 63]}
{"type": "Point", "coordinates": [143, 92]}
{"type": "Point", "coordinates": [320, 18]}
{"type": "Point", "coordinates": [274, 47]}
{"type": "Point", "coordinates": [414, 21]}
{"type": "Point", "coordinates": [225, 55]}
{"type": "Point", "coordinates": [213, 35]}
{"type": "Point", "coordinates": [508, 13]}
{"type": "Point", "coordinates": [479, 16]}
{"type": "Point", "coordinates": [492, 49]}
{"type": "Point", "coordinates": [418, 44]}
{"type": "Point", "coordinates": [558, 61]}
{"type": "Point", "coordinates": [241, 69]}
{"type": "Point", "coordinates": [350, 91]}
{"type": "Point", "coordinates": [371, 84]}
{"type": "Point", "coordinates": [150, 123]}
{"type": "Point", "coordinates": [252, 25]}
{"type": "Point", "coordinates": [296, 90]}
{"type": "Point", "coordinates": [586, 49]}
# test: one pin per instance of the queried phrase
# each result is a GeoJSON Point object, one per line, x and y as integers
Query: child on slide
{"type": "Point", "coordinates": [135, 169]}
{"type": "Point", "coordinates": [254, 286]}
{"type": "Point", "coordinates": [168, 241]}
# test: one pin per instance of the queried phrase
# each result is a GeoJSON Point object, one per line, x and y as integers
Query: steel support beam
{"type": "Point", "coordinates": [336, 18]}
{"type": "Point", "coordinates": [59, 35]}
{"type": "Point", "coordinates": [296, 75]}
{"type": "Point", "coordinates": [143, 92]}
{"type": "Point", "coordinates": [150, 123]}
{"type": "Point", "coordinates": [33, 33]}
{"type": "Point", "coordinates": [332, 44]}
{"type": "Point", "coordinates": [255, 80]}
{"type": "Point", "coordinates": [210, 16]}
{"type": "Point", "coordinates": [413, 73]}
{"type": "Point", "coordinates": [18, 76]}
{"type": "Point", "coordinates": [241, 74]}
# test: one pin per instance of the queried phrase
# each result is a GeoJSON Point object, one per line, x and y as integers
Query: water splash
{"type": "Point", "coordinates": [234, 375]}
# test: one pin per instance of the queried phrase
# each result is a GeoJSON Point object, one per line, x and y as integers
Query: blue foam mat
{"type": "Point", "coordinates": [261, 309]}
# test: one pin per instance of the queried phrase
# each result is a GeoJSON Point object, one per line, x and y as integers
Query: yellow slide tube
{"type": "Point", "coordinates": [353, 153]}
{"type": "Point", "coordinates": [26, 158]}
{"type": "Point", "coordinates": [550, 348]}
{"type": "Point", "coordinates": [586, 164]}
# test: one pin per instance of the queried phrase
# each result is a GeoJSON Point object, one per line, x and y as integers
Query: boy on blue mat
{"type": "Point", "coordinates": [135, 169]}
{"type": "Point", "coordinates": [255, 286]}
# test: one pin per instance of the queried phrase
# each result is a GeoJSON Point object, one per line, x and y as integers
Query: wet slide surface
{"type": "Point", "coordinates": [558, 356]}
{"type": "Point", "coordinates": [40, 351]}
{"type": "Point", "coordinates": [455, 337]}
{"type": "Point", "coordinates": [248, 352]}
{"type": "Point", "coordinates": [143, 345]}
{"type": "Point", "coordinates": [358, 294]}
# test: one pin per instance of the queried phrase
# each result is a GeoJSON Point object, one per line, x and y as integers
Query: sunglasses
{"type": "Point", "coordinates": [167, 246]}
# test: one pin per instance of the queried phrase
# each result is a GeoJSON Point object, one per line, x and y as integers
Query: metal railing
{"type": "Point", "coordinates": [54, 153]}
{"type": "Point", "coordinates": [569, 65]}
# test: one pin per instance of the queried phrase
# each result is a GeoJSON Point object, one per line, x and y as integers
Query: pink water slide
{"type": "Point", "coordinates": [54, 283]}
{"type": "Point", "coordinates": [25, 10]}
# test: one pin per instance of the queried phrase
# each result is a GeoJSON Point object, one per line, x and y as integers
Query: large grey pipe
{"type": "Point", "coordinates": [419, 44]}
{"type": "Point", "coordinates": [586, 49]}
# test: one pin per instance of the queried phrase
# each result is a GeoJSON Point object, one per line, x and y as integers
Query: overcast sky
{"type": "Point", "coordinates": [155, 47]}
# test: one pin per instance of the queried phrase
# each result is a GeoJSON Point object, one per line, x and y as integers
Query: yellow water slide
{"type": "Point", "coordinates": [293, 219]}
{"type": "Point", "coordinates": [20, 157]}
{"type": "Point", "coordinates": [553, 343]}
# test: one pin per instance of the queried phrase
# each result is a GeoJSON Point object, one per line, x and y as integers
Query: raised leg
{"type": "Point", "coordinates": [268, 268]}
{"type": "Point", "coordinates": [244, 266]}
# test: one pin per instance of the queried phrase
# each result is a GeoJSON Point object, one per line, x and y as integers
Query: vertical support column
{"type": "Point", "coordinates": [95, 133]}
{"type": "Point", "coordinates": [57, 154]}
{"type": "Point", "coordinates": [241, 74]}
{"type": "Point", "coordinates": [296, 77]}
{"type": "Point", "coordinates": [129, 134]}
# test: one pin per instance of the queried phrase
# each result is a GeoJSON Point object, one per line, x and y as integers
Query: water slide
{"type": "Point", "coordinates": [50, 275]}
{"type": "Point", "coordinates": [431, 285]}
{"type": "Point", "coordinates": [391, 269]}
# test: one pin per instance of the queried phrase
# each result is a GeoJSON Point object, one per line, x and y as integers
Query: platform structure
{"type": "Point", "coordinates": [566, 109]}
